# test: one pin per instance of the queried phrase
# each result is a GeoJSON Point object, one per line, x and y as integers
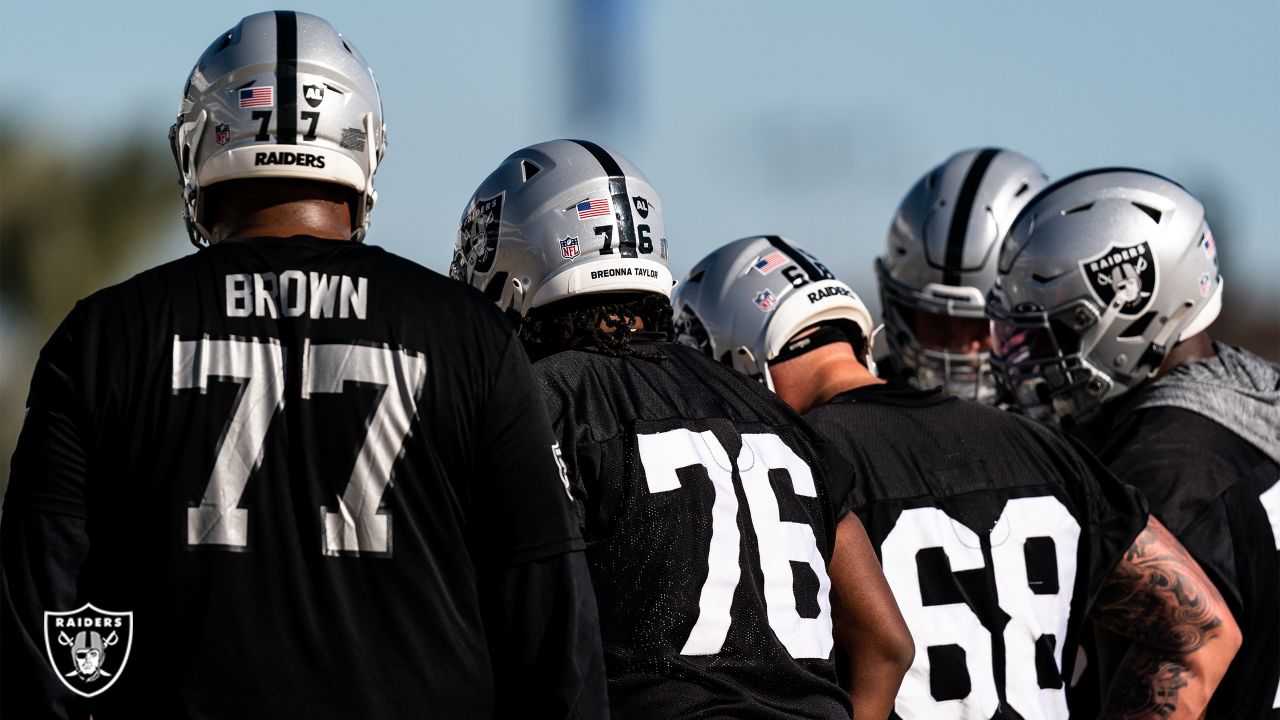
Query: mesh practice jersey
{"type": "Point", "coordinates": [1220, 496]}
{"type": "Point", "coordinates": [709, 512]}
{"type": "Point", "coordinates": [298, 463]}
{"type": "Point", "coordinates": [995, 535]}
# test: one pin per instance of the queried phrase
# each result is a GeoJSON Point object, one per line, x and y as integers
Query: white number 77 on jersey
{"type": "Point", "coordinates": [257, 366]}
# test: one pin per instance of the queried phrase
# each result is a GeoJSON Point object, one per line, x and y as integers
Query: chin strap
{"type": "Point", "coordinates": [1159, 347]}
{"type": "Point", "coordinates": [871, 350]}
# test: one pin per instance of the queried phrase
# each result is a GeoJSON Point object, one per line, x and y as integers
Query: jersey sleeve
{"type": "Point", "coordinates": [50, 463]}
{"type": "Point", "coordinates": [581, 454]}
{"type": "Point", "coordinates": [43, 535]}
{"type": "Point", "coordinates": [548, 657]}
{"type": "Point", "coordinates": [1117, 513]}
{"type": "Point", "coordinates": [1185, 470]}
{"type": "Point", "coordinates": [526, 490]}
{"type": "Point", "coordinates": [842, 479]}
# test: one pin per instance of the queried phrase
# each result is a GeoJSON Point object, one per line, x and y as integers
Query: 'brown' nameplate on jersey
{"type": "Point", "coordinates": [294, 293]}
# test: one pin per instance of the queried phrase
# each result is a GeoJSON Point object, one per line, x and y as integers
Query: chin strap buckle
{"type": "Point", "coordinates": [1155, 353]}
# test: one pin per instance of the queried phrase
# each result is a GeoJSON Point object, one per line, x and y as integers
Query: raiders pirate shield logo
{"type": "Point", "coordinates": [1125, 274]}
{"type": "Point", "coordinates": [88, 647]}
{"type": "Point", "coordinates": [478, 233]}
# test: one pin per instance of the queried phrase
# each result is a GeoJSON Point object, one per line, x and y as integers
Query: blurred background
{"type": "Point", "coordinates": [804, 119]}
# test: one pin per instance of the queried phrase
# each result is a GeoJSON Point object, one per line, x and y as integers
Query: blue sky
{"type": "Point", "coordinates": [805, 119]}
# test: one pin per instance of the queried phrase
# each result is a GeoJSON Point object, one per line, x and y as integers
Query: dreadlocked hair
{"type": "Point", "coordinates": [604, 322]}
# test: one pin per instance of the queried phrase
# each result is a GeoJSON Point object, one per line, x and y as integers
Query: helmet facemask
{"type": "Point", "coordinates": [1037, 359]}
{"type": "Point", "coordinates": [932, 332]}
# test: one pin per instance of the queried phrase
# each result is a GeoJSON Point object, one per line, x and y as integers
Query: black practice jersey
{"type": "Point", "coordinates": [996, 536]}
{"type": "Point", "coordinates": [709, 512]}
{"type": "Point", "coordinates": [298, 462]}
{"type": "Point", "coordinates": [1221, 497]}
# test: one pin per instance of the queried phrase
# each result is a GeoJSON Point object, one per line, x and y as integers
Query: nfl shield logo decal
{"type": "Point", "coordinates": [1125, 275]}
{"type": "Point", "coordinates": [89, 647]}
{"type": "Point", "coordinates": [764, 300]}
{"type": "Point", "coordinates": [569, 248]}
{"type": "Point", "coordinates": [222, 133]}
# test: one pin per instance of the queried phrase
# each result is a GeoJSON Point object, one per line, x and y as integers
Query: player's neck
{"type": "Point", "coordinates": [273, 208]}
{"type": "Point", "coordinates": [1197, 347]}
{"type": "Point", "coordinates": [315, 218]}
{"type": "Point", "coordinates": [813, 379]}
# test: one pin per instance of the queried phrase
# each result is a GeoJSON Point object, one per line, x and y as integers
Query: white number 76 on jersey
{"type": "Point", "coordinates": [257, 366]}
{"type": "Point", "coordinates": [780, 542]}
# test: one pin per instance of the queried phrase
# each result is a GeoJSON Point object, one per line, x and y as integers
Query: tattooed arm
{"type": "Point", "coordinates": [1184, 637]}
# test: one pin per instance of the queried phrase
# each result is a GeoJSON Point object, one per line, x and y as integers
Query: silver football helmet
{"type": "Point", "coordinates": [941, 260]}
{"type": "Point", "coordinates": [744, 302]}
{"type": "Point", "coordinates": [560, 219]}
{"type": "Point", "coordinates": [1102, 273]}
{"type": "Point", "coordinates": [280, 95]}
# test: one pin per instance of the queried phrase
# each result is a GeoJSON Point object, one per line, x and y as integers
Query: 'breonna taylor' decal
{"type": "Point", "coordinates": [1127, 273]}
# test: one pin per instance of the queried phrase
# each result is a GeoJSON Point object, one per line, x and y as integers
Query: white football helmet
{"type": "Point", "coordinates": [745, 302]}
{"type": "Point", "coordinates": [1102, 273]}
{"type": "Point", "coordinates": [562, 219]}
{"type": "Point", "coordinates": [280, 95]}
{"type": "Point", "coordinates": [941, 260]}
